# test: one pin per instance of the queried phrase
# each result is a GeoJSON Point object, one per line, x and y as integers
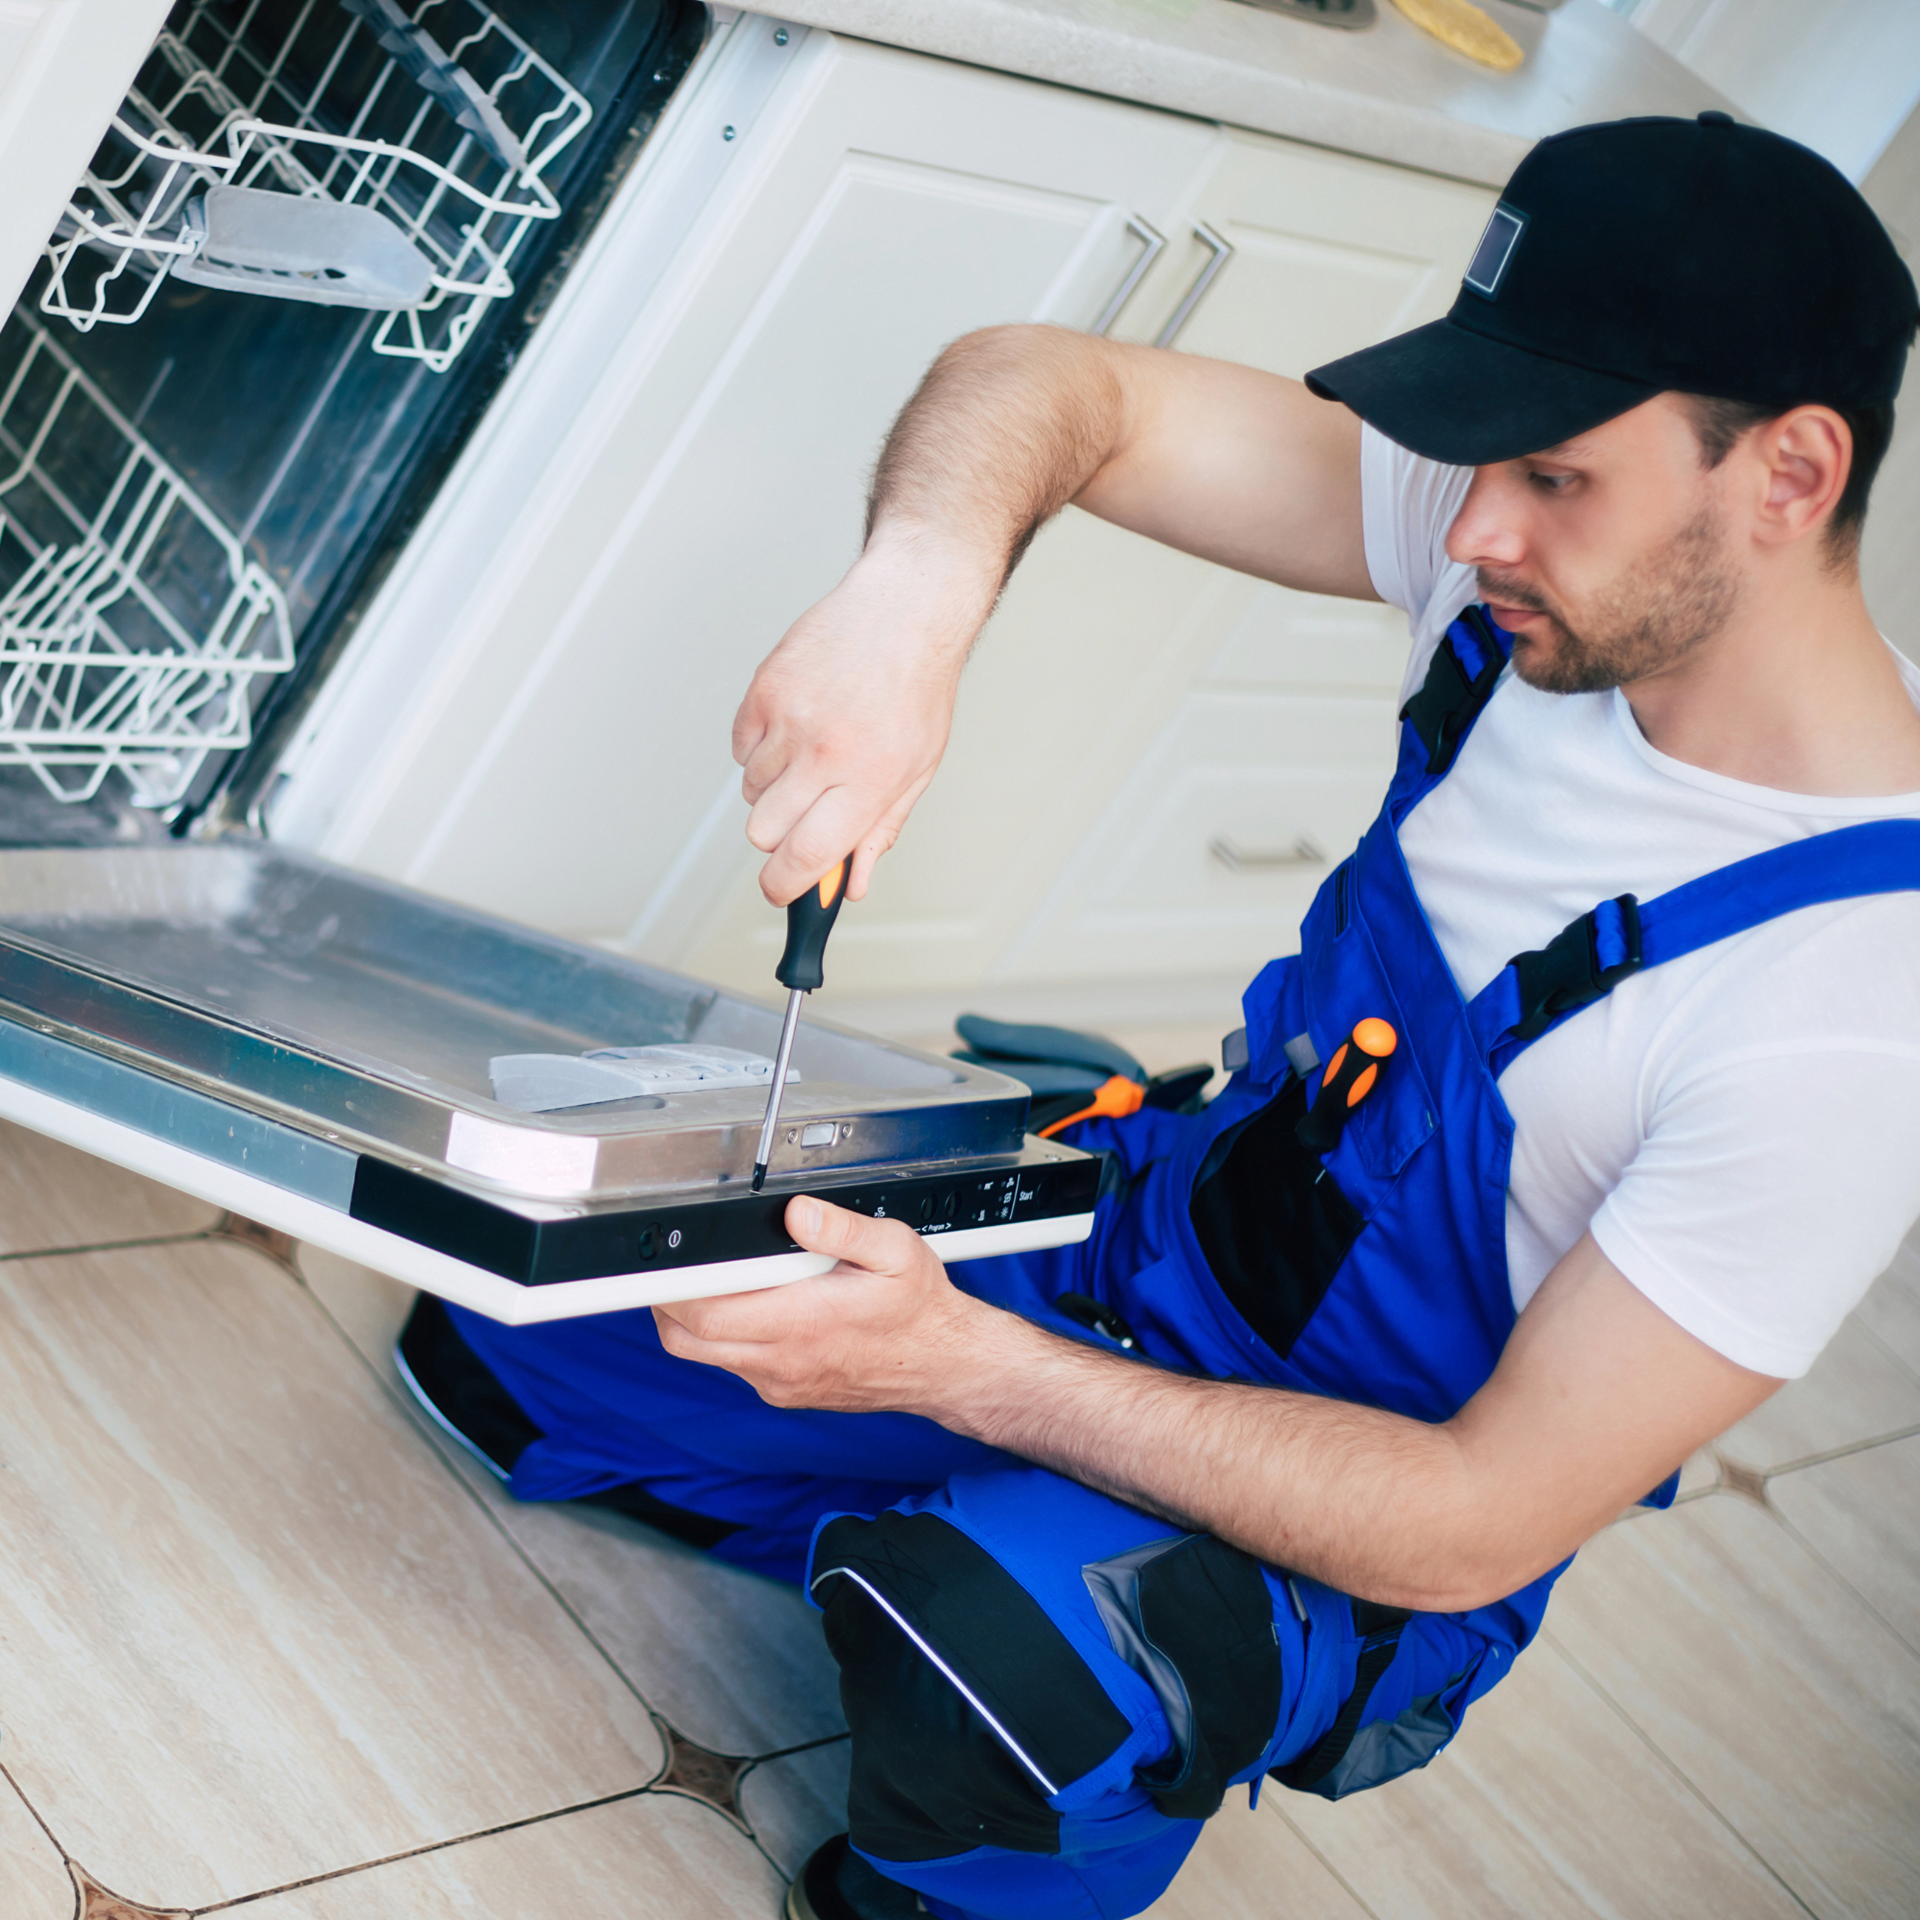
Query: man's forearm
{"type": "Point", "coordinates": [1372, 1503]}
{"type": "Point", "coordinates": [1008, 425]}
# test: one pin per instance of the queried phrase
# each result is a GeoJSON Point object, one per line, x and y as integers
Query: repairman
{"type": "Point", "coordinates": [1390, 1365]}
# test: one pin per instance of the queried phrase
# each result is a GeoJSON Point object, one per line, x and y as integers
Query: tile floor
{"type": "Point", "coordinates": [270, 1646]}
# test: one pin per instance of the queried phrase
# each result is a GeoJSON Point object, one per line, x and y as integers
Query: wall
{"type": "Point", "coordinates": [1889, 554]}
{"type": "Point", "coordinates": [1840, 75]}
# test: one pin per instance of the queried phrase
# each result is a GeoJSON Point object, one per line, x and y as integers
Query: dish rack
{"type": "Point", "coordinates": [132, 623]}
{"type": "Point", "coordinates": [433, 123]}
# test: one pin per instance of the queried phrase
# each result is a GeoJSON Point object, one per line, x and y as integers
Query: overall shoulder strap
{"type": "Point", "coordinates": [1459, 683]}
{"type": "Point", "coordinates": [1584, 962]}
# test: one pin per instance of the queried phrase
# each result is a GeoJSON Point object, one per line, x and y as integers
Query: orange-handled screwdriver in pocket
{"type": "Point", "coordinates": [1351, 1075]}
{"type": "Point", "coordinates": [810, 919]}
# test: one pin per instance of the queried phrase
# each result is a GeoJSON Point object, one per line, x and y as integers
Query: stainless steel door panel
{"type": "Point", "coordinates": [364, 1015]}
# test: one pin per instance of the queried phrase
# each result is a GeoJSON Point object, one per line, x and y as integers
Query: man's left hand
{"type": "Point", "coordinates": [885, 1330]}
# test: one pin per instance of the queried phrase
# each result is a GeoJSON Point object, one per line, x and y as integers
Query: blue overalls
{"type": "Point", "coordinates": [1048, 1690]}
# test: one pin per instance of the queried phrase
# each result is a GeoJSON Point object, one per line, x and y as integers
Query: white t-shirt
{"type": "Point", "coordinates": [1740, 1128]}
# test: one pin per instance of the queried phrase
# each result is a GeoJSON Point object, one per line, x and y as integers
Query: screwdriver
{"type": "Point", "coordinates": [1348, 1080]}
{"type": "Point", "coordinates": [810, 919]}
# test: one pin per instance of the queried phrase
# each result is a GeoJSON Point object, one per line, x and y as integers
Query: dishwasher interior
{"type": "Point", "coordinates": [295, 273]}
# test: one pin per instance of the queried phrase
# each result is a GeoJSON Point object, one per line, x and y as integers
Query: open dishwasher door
{"type": "Point", "coordinates": [311, 1048]}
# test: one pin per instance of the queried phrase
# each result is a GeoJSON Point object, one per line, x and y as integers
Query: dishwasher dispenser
{"type": "Point", "coordinates": [317, 1050]}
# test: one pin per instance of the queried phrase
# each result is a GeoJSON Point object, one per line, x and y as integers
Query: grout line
{"type": "Point", "coordinates": [53, 1839]}
{"type": "Point", "coordinates": [787, 1753]}
{"type": "Point", "coordinates": [109, 1246]}
{"type": "Point", "coordinates": [415, 1853]}
{"type": "Point", "coordinates": [1666, 1760]}
{"type": "Point", "coordinates": [1341, 1879]}
{"type": "Point", "coordinates": [1834, 1573]}
{"type": "Point", "coordinates": [1839, 1453]}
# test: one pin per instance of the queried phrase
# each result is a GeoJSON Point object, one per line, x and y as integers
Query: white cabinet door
{"type": "Point", "coordinates": [1280, 729]}
{"type": "Point", "coordinates": [65, 66]}
{"type": "Point", "coordinates": [567, 761]}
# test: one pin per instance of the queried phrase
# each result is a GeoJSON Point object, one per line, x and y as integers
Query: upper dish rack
{"type": "Point", "coordinates": [132, 622]}
{"type": "Point", "coordinates": [355, 154]}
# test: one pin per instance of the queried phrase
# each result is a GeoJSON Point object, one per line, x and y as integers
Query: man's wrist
{"type": "Point", "coordinates": [946, 582]}
{"type": "Point", "coordinates": [986, 1357]}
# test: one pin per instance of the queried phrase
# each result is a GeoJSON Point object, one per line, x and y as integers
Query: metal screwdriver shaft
{"type": "Point", "coordinates": [764, 1153]}
{"type": "Point", "coordinates": [810, 919]}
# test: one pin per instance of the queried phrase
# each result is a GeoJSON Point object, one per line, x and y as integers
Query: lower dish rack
{"type": "Point", "coordinates": [132, 622]}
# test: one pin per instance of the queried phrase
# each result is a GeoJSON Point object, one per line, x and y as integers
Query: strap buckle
{"type": "Point", "coordinates": [1582, 963]}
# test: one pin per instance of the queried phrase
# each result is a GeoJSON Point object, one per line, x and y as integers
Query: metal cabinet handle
{"type": "Point", "coordinates": [1155, 240]}
{"type": "Point", "coordinates": [1303, 853]}
{"type": "Point", "coordinates": [1222, 253]}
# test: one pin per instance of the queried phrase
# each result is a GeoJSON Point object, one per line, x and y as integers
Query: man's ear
{"type": "Point", "coordinates": [1804, 458]}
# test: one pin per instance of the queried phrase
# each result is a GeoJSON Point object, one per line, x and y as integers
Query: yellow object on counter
{"type": "Point", "coordinates": [1462, 26]}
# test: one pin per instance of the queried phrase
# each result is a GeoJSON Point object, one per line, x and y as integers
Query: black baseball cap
{"type": "Point", "coordinates": [1639, 257]}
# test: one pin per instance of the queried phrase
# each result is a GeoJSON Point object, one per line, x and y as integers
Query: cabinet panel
{"type": "Point", "coordinates": [1211, 851]}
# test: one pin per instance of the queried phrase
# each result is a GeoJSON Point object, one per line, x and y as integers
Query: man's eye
{"type": "Point", "coordinates": [1552, 482]}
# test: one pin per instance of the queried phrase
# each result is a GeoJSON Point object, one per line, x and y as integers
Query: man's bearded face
{"type": "Point", "coordinates": [1649, 617]}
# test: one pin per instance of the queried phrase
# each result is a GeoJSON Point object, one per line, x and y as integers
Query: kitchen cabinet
{"type": "Point", "coordinates": [1130, 712]}
{"type": "Point", "coordinates": [1265, 765]}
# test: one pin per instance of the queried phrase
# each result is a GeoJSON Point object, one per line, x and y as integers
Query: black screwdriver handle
{"type": "Point", "coordinates": [809, 920]}
{"type": "Point", "coordinates": [1351, 1075]}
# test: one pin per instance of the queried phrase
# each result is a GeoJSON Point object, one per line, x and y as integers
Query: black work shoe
{"type": "Point", "coordinates": [836, 1884]}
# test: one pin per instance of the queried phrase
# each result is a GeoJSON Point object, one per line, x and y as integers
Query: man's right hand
{"type": "Point", "coordinates": [846, 720]}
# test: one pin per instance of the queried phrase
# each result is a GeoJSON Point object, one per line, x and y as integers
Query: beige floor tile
{"type": "Point", "coordinates": [250, 1627]}
{"type": "Point", "coordinates": [1785, 1702]}
{"type": "Point", "coordinates": [1861, 1514]}
{"type": "Point", "coordinates": [656, 1857]}
{"type": "Point", "coordinates": [54, 1196]}
{"type": "Point", "coordinates": [1547, 1804]}
{"type": "Point", "coordinates": [796, 1801]}
{"type": "Point", "coordinates": [1856, 1391]}
{"type": "Point", "coordinates": [33, 1877]}
{"type": "Point", "coordinates": [1892, 1306]}
{"type": "Point", "coordinates": [735, 1662]}
{"type": "Point", "coordinates": [1252, 1865]}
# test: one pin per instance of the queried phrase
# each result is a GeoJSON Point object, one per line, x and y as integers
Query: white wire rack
{"type": "Point", "coordinates": [447, 140]}
{"type": "Point", "coordinates": [132, 623]}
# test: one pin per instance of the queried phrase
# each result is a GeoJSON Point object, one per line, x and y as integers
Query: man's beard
{"type": "Point", "coordinates": [1649, 618]}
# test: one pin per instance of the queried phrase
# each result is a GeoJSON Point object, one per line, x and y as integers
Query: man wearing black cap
{"type": "Point", "coordinates": [1617, 1169]}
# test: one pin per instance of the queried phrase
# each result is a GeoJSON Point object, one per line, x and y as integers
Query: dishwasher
{"type": "Point", "coordinates": [277, 307]}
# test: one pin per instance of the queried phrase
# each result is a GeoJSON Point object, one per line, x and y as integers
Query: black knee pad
{"type": "Point", "coordinates": [968, 1706]}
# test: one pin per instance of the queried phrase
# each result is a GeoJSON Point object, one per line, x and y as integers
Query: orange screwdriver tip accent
{"type": "Point", "coordinates": [1113, 1099]}
{"type": "Point", "coordinates": [1375, 1037]}
{"type": "Point", "coordinates": [830, 883]}
{"type": "Point", "coordinates": [1362, 1085]}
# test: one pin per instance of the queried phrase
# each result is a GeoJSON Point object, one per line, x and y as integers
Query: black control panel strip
{"type": "Point", "coordinates": [695, 1229]}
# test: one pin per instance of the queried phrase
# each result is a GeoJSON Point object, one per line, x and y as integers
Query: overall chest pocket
{"type": "Point", "coordinates": [1272, 1222]}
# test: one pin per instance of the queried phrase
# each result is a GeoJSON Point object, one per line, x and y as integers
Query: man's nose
{"type": "Point", "coordinates": [1486, 532]}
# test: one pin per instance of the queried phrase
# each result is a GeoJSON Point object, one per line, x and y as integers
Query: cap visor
{"type": "Point", "coordinates": [1461, 398]}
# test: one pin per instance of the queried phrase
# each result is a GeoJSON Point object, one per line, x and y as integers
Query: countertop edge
{"type": "Point", "coordinates": [1145, 64]}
